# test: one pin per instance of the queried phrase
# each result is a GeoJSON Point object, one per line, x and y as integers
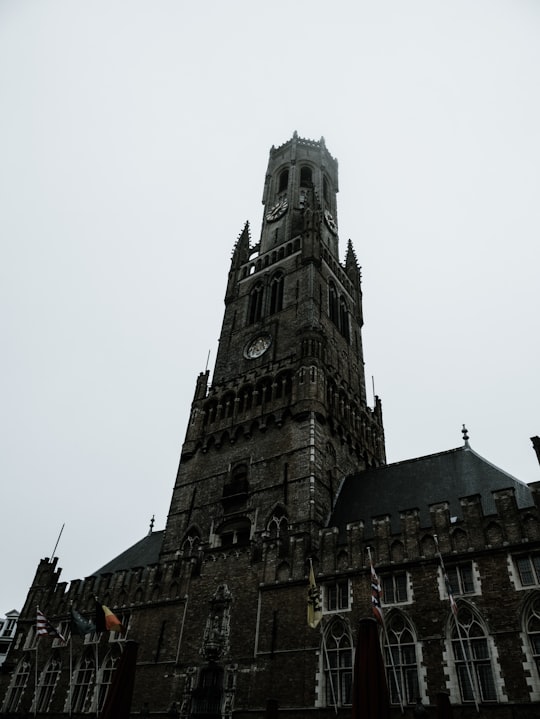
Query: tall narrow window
{"type": "Point", "coordinates": [338, 664]}
{"type": "Point", "coordinates": [305, 177]}
{"type": "Point", "coordinates": [533, 631]}
{"type": "Point", "coordinates": [255, 303]}
{"type": "Point", "coordinates": [333, 303]}
{"type": "Point", "coordinates": [326, 191]}
{"type": "Point", "coordinates": [401, 663]}
{"type": "Point", "coordinates": [83, 685]}
{"type": "Point", "coordinates": [47, 684]}
{"type": "Point", "coordinates": [283, 180]}
{"type": "Point", "coordinates": [17, 686]}
{"type": "Point", "coordinates": [344, 319]}
{"type": "Point", "coordinates": [276, 293]}
{"type": "Point", "coordinates": [472, 658]}
{"type": "Point", "coordinates": [107, 672]}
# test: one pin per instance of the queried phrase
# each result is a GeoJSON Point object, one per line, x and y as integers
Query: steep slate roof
{"type": "Point", "coordinates": [145, 551]}
{"type": "Point", "coordinates": [417, 483]}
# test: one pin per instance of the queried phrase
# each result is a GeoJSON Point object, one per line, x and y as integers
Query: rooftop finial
{"type": "Point", "coordinates": [151, 525]}
{"type": "Point", "coordinates": [465, 433]}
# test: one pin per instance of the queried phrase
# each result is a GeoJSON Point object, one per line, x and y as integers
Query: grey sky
{"type": "Point", "coordinates": [134, 138]}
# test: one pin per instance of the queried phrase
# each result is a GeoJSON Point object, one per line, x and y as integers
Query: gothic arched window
{"type": "Point", "coordinates": [333, 303]}
{"type": "Point", "coordinates": [17, 686]}
{"type": "Point", "coordinates": [305, 177]}
{"type": "Point", "coordinates": [276, 293]}
{"type": "Point", "coordinates": [255, 303]}
{"type": "Point", "coordinates": [107, 671]}
{"type": "Point", "coordinates": [401, 661]}
{"type": "Point", "coordinates": [278, 525]}
{"type": "Point", "coordinates": [472, 657]}
{"type": "Point", "coordinates": [532, 627]}
{"type": "Point", "coordinates": [326, 192]}
{"type": "Point", "coordinates": [338, 664]}
{"type": "Point", "coordinates": [47, 683]}
{"type": "Point", "coordinates": [344, 319]}
{"type": "Point", "coordinates": [83, 684]}
{"type": "Point", "coordinates": [283, 180]}
{"type": "Point", "coordinates": [191, 541]}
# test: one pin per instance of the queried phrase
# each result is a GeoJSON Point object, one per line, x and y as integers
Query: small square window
{"type": "Point", "coordinates": [528, 567]}
{"type": "Point", "coordinates": [394, 588]}
{"type": "Point", "coordinates": [461, 579]}
{"type": "Point", "coordinates": [336, 596]}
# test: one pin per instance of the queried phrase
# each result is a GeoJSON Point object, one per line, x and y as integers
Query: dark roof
{"type": "Point", "coordinates": [142, 553]}
{"type": "Point", "coordinates": [417, 483]}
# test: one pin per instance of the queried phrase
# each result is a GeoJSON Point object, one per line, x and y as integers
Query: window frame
{"type": "Point", "coordinates": [342, 596]}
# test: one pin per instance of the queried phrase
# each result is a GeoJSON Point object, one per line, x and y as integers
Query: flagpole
{"type": "Point", "coordinates": [387, 641]}
{"type": "Point", "coordinates": [70, 670]}
{"type": "Point", "coordinates": [471, 676]}
{"type": "Point", "coordinates": [36, 667]}
{"type": "Point", "coordinates": [57, 541]}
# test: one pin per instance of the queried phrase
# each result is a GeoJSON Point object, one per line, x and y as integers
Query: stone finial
{"type": "Point", "coordinates": [465, 433]}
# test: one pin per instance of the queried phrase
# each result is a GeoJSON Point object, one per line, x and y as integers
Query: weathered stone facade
{"type": "Point", "coordinates": [282, 460]}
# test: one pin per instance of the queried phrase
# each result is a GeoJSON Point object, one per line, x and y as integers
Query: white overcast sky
{"type": "Point", "coordinates": [134, 139]}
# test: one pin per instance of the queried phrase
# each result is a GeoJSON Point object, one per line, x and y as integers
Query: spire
{"type": "Point", "coordinates": [351, 265]}
{"type": "Point", "coordinates": [241, 248]}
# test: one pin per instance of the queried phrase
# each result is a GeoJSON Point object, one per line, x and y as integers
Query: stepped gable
{"type": "Point", "coordinates": [418, 483]}
{"type": "Point", "coordinates": [141, 554]}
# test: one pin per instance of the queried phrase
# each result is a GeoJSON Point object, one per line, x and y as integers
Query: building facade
{"type": "Point", "coordinates": [283, 468]}
{"type": "Point", "coordinates": [8, 626]}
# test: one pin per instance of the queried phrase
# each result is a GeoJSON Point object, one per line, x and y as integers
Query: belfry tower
{"type": "Point", "coordinates": [285, 418]}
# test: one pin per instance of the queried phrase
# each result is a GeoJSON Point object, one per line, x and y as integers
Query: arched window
{"type": "Point", "coordinates": [472, 657]}
{"type": "Point", "coordinates": [235, 532]}
{"type": "Point", "coordinates": [255, 303]}
{"type": "Point", "coordinates": [532, 627]}
{"type": "Point", "coordinates": [283, 180]}
{"type": "Point", "coordinates": [245, 396]}
{"type": "Point", "coordinates": [83, 684]}
{"type": "Point", "coordinates": [107, 671]}
{"type": "Point", "coordinates": [338, 663]}
{"type": "Point", "coordinates": [401, 661]}
{"type": "Point", "coordinates": [17, 687]}
{"type": "Point", "coordinates": [326, 191]}
{"type": "Point", "coordinates": [191, 541]}
{"type": "Point", "coordinates": [264, 391]}
{"type": "Point", "coordinates": [333, 303]}
{"type": "Point", "coordinates": [306, 177]}
{"type": "Point", "coordinates": [344, 319]}
{"type": "Point", "coordinates": [276, 293]}
{"type": "Point", "coordinates": [278, 525]}
{"type": "Point", "coordinates": [47, 683]}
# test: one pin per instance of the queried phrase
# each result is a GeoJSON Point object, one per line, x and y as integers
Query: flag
{"type": "Point", "coordinates": [376, 595]}
{"type": "Point", "coordinates": [45, 629]}
{"type": "Point", "coordinates": [80, 625]}
{"type": "Point", "coordinates": [106, 621]}
{"type": "Point", "coordinates": [314, 608]}
{"type": "Point", "coordinates": [453, 605]}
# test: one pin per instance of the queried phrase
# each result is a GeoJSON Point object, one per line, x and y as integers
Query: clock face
{"type": "Point", "coordinates": [258, 346]}
{"type": "Point", "coordinates": [275, 212]}
{"type": "Point", "coordinates": [331, 223]}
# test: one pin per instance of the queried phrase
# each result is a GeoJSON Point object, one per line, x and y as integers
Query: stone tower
{"type": "Point", "coordinates": [286, 416]}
